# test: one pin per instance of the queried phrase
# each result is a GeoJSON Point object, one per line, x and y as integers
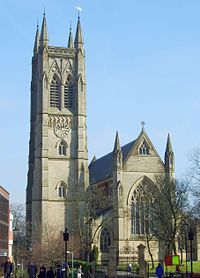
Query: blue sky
{"type": "Point", "coordinates": [142, 64]}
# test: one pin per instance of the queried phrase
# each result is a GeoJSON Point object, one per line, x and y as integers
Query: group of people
{"type": "Point", "coordinates": [50, 273]}
{"type": "Point", "coordinates": [43, 273]}
{"type": "Point", "coordinates": [58, 273]}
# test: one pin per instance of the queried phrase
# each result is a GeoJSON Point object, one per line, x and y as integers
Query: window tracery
{"type": "Point", "coordinates": [141, 217]}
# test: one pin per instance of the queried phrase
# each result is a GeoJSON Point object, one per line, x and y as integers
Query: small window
{"type": "Point", "coordinates": [105, 240]}
{"type": "Point", "coordinates": [62, 148]}
{"type": "Point", "coordinates": [144, 149]}
{"type": "Point", "coordinates": [54, 93]}
{"type": "Point", "coordinates": [61, 190]}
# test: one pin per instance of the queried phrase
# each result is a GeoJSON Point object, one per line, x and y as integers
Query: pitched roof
{"type": "Point", "coordinates": [102, 168]}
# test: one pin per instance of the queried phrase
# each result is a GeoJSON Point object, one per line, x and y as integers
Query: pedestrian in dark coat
{"type": "Point", "coordinates": [50, 273]}
{"type": "Point", "coordinates": [58, 271]}
{"type": "Point", "coordinates": [32, 270]}
{"type": "Point", "coordinates": [159, 271]}
{"type": "Point", "coordinates": [8, 268]}
{"type": "Point", "coordinates": [42, 273]}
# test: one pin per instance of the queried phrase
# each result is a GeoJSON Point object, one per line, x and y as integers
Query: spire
{"type": "Point", "coordinates": [168, 145]}
{"type": "Point", "coordinates": [44, 33]}
{"type": "Point", "coordinates": [117, 154]}
{"type": "Point", "coordinates": [169, 156]}
{"type": "Point", "coordinates": [79, 38]}
{"type": "Point", "coordinates": [37, 41]}
{"type": "Point", "coordinates": [117, 146]}
{"type": "Point", "coordinates": [70, 40]}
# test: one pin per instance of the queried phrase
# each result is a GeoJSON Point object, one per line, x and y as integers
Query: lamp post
{"type": "Point", "coordinates": [181, 247]}
{"type": "Point", "coordinates": [186, 244]}
{"type": "Point", "coordinates": [70, 252]}
{"type": "Point", "coordinates": [66, 239]}
{"type": "Point", "coordinates": [15, 230]}
{"type": "Point", "coordinates": [191, 237]}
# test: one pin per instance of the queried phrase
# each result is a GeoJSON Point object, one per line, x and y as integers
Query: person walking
{"type": "Point", "coordinates": [79, 272]}
{"type": "Point", "coordinates": [8, 268]}
{"type": "Point", "coordinates": [50, 273]}
{"type": "Point", "coordinates": [32, 270]}
{"type": "Point", "coordinates": [129, 268]}
{"type": "Point", "coordinates": [58, 271]}
{"type": "Point", "coordinates": [42, 273]}
{"type": "Point", "coordinates": [159, 270]}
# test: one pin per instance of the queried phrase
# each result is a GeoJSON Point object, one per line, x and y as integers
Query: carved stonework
{"type": "Point", "coordinates": [61, 50]}
{"type": "Point", "coordinates": [61, 125]}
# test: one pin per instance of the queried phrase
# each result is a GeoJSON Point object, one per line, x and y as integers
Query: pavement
{"type": "Point", "coordinates": [125, 274]}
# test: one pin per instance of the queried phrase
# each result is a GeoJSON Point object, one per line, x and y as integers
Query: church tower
{"type": "Point", "coordinates": [58, 156]}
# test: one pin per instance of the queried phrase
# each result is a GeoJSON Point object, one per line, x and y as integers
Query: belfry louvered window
{"type": "Point", "coordinates": [68, 95]}
{"type": "Point", "coordinates": [54, 93]}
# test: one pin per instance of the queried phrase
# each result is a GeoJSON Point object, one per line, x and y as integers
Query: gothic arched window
{"type": "Point", "coordinates": [54, 93]}
{"type": "Point", "coordinates": [105, 240]}
{"type": "Point", "coordinates": [61, 189]}
{"type": "Point", "coordinates": [141, 216]}
{"type": "Point", "coordinates": [62, 148]}
{"type": "Point", "coordinates": [68, 94]}
{"type": "Point", "coordinates": [144, 148]}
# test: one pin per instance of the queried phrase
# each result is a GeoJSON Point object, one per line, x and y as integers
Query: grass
{"type": "Point", "coordinates": [196, 268]}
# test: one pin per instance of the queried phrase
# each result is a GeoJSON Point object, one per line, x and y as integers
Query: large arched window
{"type": "Point", "coordinates": [68, 94]}
{"type": "Point", "coordinates": [62, 148]}
{"type": "Point", "coordinates": [141, 216]}
{"type": "Point", "coordinates": [105, 240]}
{"type": "Point", "coordinates": [54, 93]}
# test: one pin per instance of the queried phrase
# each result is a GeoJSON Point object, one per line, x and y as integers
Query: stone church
{"type": "Point", "coordinates": [58, 155]}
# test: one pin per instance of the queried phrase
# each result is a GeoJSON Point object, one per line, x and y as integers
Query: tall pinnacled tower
{"type": "Point", "coordinates": [58, 156]}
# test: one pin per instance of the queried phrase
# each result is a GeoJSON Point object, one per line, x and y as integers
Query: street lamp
{"type": "Point", "coordinates": [186, 250]}
{"type": "Point", "coordinates": [66, 239]}
{"type": "Point", "coordinates": [70, 252]}
{"type": "Point", "coordinates": [181, 247]}
{"type": "Point", "coordinates": [15, 230]}
{"type": "Point", "coordinates": [191, 237]}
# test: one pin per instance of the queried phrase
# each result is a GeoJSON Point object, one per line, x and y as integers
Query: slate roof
{"type": "Point", "coordinates": [102, 168]}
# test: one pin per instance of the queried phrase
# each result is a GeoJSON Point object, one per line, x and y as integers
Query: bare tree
{"type": "Point", "coordinates": [20, 240]}
{"type": "Point", "coordinates": [86, 208]}
{"type": "Point", "coordinates": [193, 180]}
{"type": "Point", "coordinates": [168, 201]}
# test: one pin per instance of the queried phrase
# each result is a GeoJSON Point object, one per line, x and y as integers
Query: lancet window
{"type": "Point", "coordinates": [62, 148]}
{"type": "Point", "coordinates": [68, 94]}
{"type": "Point", "coordinates": [61, 190]}
{"type": "Point", "coordinates": [105, 240]}
{"type": "Point", "coordinates": [144, 148]}
{"type": "Point", "coordinates": [54, 93]}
